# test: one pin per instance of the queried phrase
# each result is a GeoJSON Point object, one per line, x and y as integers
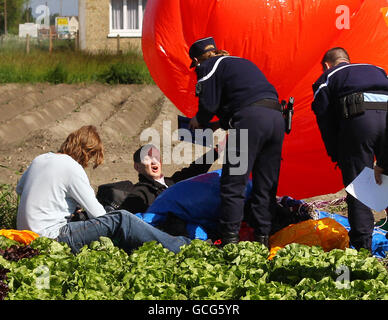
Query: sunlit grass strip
{"type": "Point", "coordinates": [64, 65]}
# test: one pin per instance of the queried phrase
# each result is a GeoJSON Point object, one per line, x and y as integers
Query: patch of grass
{"type": "Point", "coordinates": [65, 65]}
{"type": "Point", "coordinates": [8, 206]}
{"type": "Point", "coordinates": [341, 209]}
{"type": "Point", "coordinates": [57, 75]}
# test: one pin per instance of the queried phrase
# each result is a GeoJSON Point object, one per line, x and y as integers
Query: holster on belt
{"type": "Point", "coordinates": [287, 109]}
{"type": "Point", "coordinates": [354, 105]}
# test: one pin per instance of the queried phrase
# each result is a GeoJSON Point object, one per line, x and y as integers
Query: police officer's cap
{"type": "Point", "coordinates": [201, 46]}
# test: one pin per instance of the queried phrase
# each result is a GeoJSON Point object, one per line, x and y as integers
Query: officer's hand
{"type": "Point", "coordinates": [378, 172]}
{"type": "Point", "coordinates": [221, 146]}
{"type": "Point", "coordinates": [194, 124]}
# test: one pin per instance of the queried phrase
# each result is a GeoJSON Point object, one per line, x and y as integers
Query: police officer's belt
{"type": "Point", "coordinates": [375, 105]}
{"type": "Point", "coordinates": [354, 105]}
{"type": "Point", "coordinates": [267, 103]}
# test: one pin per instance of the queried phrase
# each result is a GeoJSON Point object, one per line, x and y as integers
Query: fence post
{"type": "Point", "coordinates": [118, 44]}
{"type": "Point", "coordinates": [50, 41]}
{"type": "Point", "coordinates": [77, 41]}
{"type": "Point", "coordinates": [28, 43]}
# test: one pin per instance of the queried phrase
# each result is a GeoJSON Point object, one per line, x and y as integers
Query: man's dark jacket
{"type": "Point", "coordinates": [146, 190]}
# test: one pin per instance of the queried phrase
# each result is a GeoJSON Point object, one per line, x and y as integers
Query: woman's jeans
{"type": "Point", "coordinates": [125, 229]}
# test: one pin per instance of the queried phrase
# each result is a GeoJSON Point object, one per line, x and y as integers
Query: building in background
{"type": "Point", "coordinates": [106, 24]}
{"type": "Point", "coordinates": [73, 26]}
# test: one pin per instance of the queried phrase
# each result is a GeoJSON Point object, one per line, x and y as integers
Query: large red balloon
{"type": "Point", "coordinates": [286, 39]}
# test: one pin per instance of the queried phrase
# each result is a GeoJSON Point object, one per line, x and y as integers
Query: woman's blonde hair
{"type": "Point", "coordinates": [83, 145]}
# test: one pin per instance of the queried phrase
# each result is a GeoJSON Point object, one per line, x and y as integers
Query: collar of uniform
{"type": "Point", "coordinates": [335, 68]}
{"type": "Point", "coordinates": [339, 65]}
{"type": "Point", "coordinates": [323, 76]}
{"type": "Point", "coordinates": [208, 63]}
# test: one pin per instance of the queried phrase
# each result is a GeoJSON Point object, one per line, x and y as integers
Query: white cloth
{"type": "Point", "coordinates": [51, 188]}
{"type": "Point", "coordinates": [133, 14]}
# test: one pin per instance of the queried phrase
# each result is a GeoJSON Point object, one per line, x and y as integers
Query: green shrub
{"type": "Point", "coordinates": [6, 74]}
{"type": "Point", "coordinates": [57, 74]}
{"type": "Point", "coordinates": [8, 207]}
{"type": "Point", "coordinates": [126, 73]}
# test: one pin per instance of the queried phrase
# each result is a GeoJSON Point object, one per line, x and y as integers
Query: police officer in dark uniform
{"type": "Point", "coordinates": [350, 103]}
{"type": "Point", "coordinates": [237, 92]}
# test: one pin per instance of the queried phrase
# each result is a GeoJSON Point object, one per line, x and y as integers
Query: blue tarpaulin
{"type": "Point", "coordinates": [379, 241]}
{"type": "Point", "coordinates": [195, 200]}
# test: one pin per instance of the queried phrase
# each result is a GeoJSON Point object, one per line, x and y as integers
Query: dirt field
{"type": "Point", "coordinates": [35, 119]}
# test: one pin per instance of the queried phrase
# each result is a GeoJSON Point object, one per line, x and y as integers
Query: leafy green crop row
{"type": "Point", "coordinates": [199, 271]}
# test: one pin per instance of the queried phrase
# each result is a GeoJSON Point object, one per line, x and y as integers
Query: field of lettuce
{"type": "Point", "coordinates": [48, 270]}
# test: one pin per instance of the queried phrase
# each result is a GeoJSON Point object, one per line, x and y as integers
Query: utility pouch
{"type": "Point", "coordinates": [352, 105]}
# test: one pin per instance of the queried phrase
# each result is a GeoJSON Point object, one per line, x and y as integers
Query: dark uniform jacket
{"type": "Point", "coordinates": [146, 190]}
{"type": "Point", "coordinates": [382, 162]}
{"type": "Point", "coordinates": [340, 81]}
{"type": "Point", "coordinates": [227, 83]}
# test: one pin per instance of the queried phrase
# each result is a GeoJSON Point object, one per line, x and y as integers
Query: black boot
{"type": "Point", "coordinates": [229, 237]}
{"type": "Point", "coordinates": [264, 239]}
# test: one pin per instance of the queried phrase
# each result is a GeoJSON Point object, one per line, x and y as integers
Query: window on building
{"type": "Point", "coordinates": [126, 17]}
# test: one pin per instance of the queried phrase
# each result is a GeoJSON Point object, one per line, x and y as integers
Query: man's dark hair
{"type": "Point", "coordinates": [333, 55]}
{"type": "Point", "coordinates": [137, 156]}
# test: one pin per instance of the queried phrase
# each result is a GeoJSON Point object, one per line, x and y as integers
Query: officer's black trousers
{"type": "Point", "coordinates": [256, 141]}
{"type": "Point", "coordinates": [360, 140]}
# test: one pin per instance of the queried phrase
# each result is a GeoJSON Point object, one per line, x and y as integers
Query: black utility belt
{"type": "Point", "coordinates": [376, 106]}
{"type": "Point", "coordinates": [268, 103]}
{"type": "Point", "coordinates": [354, 105]}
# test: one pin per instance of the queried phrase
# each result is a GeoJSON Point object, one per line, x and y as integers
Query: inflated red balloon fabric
{"type": "Point", "coordinates": [286, 39]}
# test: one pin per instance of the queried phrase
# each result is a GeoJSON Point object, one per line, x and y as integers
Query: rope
{"type": "Point", "coordinates": [314, 206]}
{"type": "Point", "coordinates": [319, 204]}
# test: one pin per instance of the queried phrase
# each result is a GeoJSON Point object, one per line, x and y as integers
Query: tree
{"type": "Point", "coordinates": [27, 15]}
{"type": "Point", "coordinates": [5, 17]}
{"type": "Point", "coordinates": [52, 18]}
{"type": "Point", "coordinates": [13, 12]}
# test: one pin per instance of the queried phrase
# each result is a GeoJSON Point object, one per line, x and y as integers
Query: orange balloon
{"type": "Point", "coordinates": [286, 39]}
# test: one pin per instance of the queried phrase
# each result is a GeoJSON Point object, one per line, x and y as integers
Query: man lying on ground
{"type": "Point", "coordinates": [152, 182]}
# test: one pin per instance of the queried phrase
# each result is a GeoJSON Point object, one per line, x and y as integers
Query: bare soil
{"type": "Point", "coordinates": [35, 119]}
